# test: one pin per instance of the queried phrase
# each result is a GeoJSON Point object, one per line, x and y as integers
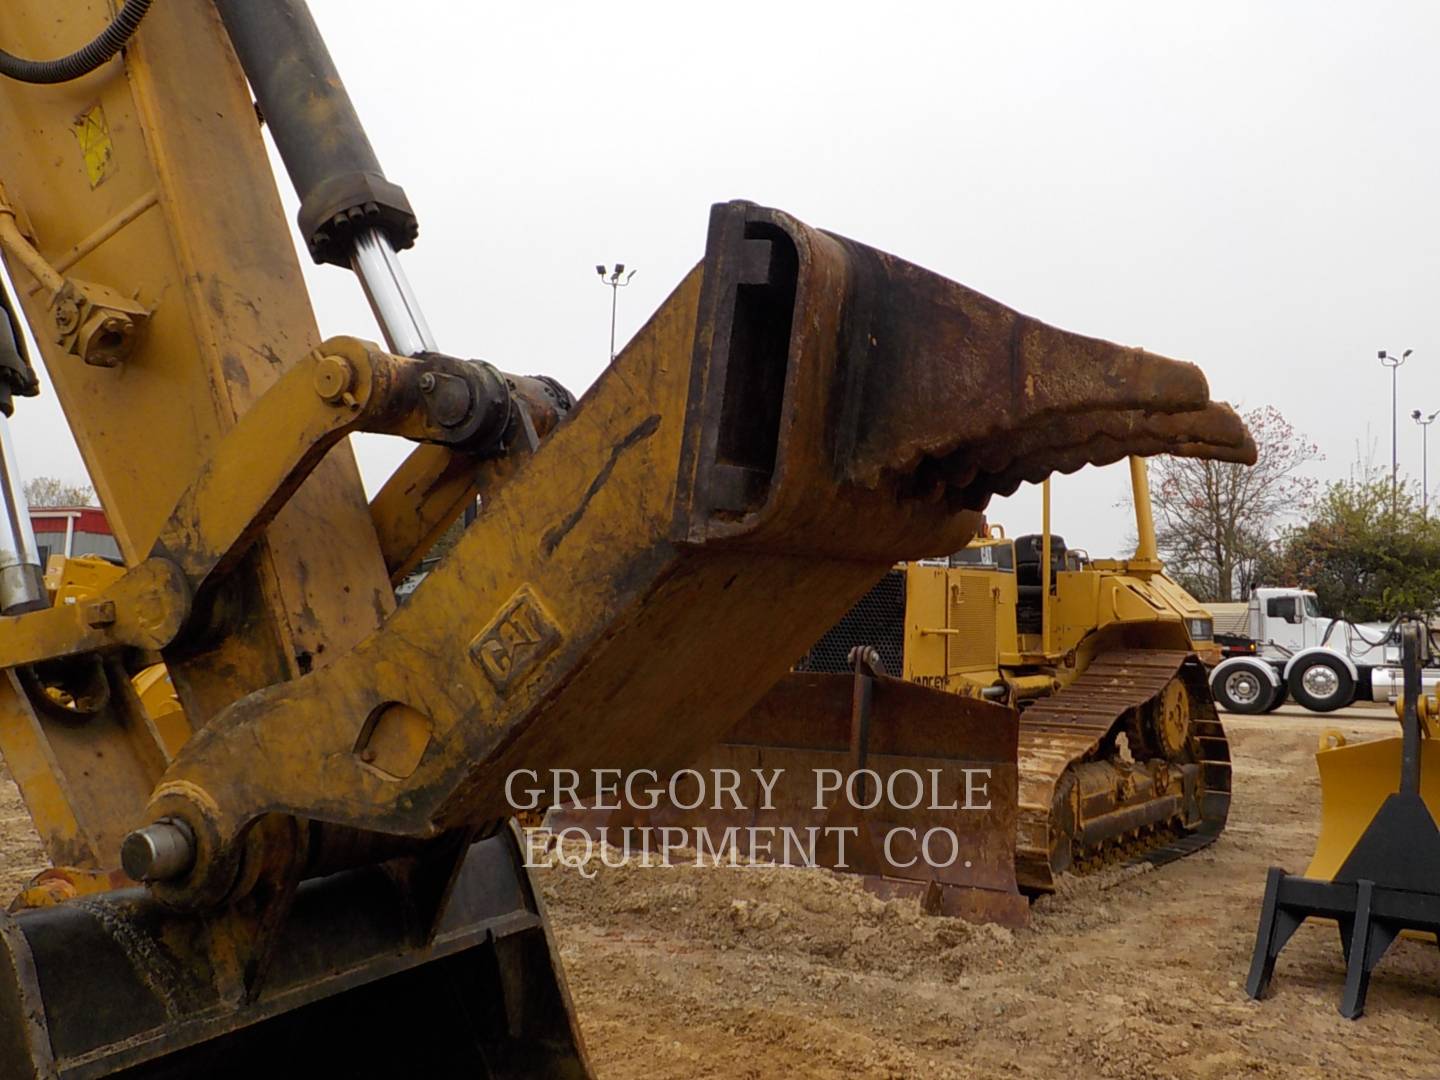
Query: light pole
{"type": "Point", "coordinates": [617, 282]}
{"type": "Point", "coordinates": [1424, 422]}
{"type": "Point", "coordinates": [1393, 363]}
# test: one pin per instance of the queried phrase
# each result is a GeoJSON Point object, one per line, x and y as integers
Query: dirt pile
{"type": "Point", "coordinates": [1133, 973]}
{"type": "Point", "coordinates": [800, 915]}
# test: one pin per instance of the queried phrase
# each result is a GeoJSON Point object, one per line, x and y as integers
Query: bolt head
{"type": "Point", "coordinates": [67, 316]}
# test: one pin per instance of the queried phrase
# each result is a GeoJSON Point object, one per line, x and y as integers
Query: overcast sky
{"type": "Point", "coordinates": [1250, 186]}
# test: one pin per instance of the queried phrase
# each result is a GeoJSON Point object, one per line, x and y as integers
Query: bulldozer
{"type": "Point", "coordinates": [293, 852]}
{"type": "Point", "coordinates": [1121, 751]}
{"type": "Point", "coordinates": [1096, 668]}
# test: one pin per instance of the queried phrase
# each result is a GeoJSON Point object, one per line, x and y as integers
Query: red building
{"type": "Point", "coordinates": [72, 530]}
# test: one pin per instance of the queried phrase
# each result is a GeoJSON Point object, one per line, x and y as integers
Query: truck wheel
{"type": "Point", "coordinates": [1321, 684]}
{"type": "Point", "coordinates": [1281, 695]}
{"type": "Point", "coordinates": [1243, 688]}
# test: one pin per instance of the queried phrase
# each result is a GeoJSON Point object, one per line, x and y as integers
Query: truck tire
{"type": "Point", "coordinates": [1244, 687]}
{"type": "Point", "coordinates": [1321, 683]}
{"type": "Point", "coordinates": [1281, 695]}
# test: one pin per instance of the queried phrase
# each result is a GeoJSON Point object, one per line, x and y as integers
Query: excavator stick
{"type": "Point", "coordinates": [913, 789]}
{"type": "Point", "coordinates": [705, 498]}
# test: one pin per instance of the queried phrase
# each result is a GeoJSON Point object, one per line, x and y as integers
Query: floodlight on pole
{"type": "Point", "coordinates": [1424, 422]}
{"type": "Point", "coordinates": [1393, 363]}
{"type": "Point", "coordinates": [616, 279]}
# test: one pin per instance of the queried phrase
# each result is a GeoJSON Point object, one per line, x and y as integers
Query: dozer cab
{"type": "Point", "coordinates": [1074, 685]}
{"type": "Point", "coordinates": [303, 862]}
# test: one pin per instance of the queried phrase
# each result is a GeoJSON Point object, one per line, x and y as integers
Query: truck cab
{"type": "Point", "coordinates": [1285, 622]}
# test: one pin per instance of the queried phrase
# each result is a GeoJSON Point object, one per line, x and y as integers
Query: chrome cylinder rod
{"type": "Point", "coordinates": [377, 265]}
{"type": "Point", "coordinates": [22, 584]}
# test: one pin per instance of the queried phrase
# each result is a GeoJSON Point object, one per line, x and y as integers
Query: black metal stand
{"type": "Point", "coordinates": [1390, 882]}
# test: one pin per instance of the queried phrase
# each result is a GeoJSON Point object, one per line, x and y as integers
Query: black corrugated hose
{"type": "Point", "coordinates": [82, 61]}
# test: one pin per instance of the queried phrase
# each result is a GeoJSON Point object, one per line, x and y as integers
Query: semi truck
{"type": "Point", "coordinates": [1280, 646]}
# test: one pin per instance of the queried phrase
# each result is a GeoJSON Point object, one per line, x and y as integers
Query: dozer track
{"type": "Point", "coordinates": [1129, 762]}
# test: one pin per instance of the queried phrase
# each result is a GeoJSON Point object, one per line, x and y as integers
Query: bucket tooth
{"type": "Point", "coordinates": [1071, 443]}
{"type": "Point", "coordinates": [1215, 426]}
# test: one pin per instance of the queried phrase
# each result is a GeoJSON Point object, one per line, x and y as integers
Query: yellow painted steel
{"type": "Point", "coordinates": [1145, 547]}
{"type": "Point", "coordinates": [1106, 603]}
{"type": "Point", "coordinates": [92, 132]}
{"type": "Point", "coordinates": [157, 693]}
{"type": "Point", "coordinates": [149, 179]}
{"type": "Point", "coordinates": [1355, 778]}
{"type": "Point", "coordinates": [258, 702]}
{"type": "Point", "coordinates": [78, 579]}
{"type": "Point", "coordinates": [72, 579]}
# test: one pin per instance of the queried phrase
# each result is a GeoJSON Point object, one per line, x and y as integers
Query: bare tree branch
{"type": "Point", "coordinates": [1215, 520]}
{"type": "Point", "coordinates": [52, 491]}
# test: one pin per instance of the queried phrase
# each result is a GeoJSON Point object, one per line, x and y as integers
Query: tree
{"type": "Point", "coordinates": [1214, 519]}
{"type": "Point", "coordinates": [52, 491]}
{"type": "Point", "coordinates": [1364, 561]}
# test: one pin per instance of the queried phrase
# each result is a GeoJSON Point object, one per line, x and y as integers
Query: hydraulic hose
{"type": "Point", "coordinates": [83, 61]}
{"type": "Point", "coordinates": [1355, 630]}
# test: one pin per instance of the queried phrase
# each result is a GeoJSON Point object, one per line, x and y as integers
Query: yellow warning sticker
{"type": "Point", "coordinates": [93, 134]}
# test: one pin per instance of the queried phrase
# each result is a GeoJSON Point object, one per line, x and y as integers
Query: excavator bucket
{"type": "Point", "coordinates": [913, 789]}
{"type": "Point", "coordinates": [1355, 779]}
{"type": "Point", "coordinates": [118, 985]}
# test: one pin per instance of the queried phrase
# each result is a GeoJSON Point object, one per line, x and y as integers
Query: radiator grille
{"type": "Point", "coordinates": [972, 612]}
{"type": "Point", "coordinates": [878, 619]}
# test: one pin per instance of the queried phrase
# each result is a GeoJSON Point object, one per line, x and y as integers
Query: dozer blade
{"type": "Point", "coordinates": [1355, 780]}
{"type": "Point", "coordinates": [930, 813]}
{"type": "Point", "coordinates": [118, 985]}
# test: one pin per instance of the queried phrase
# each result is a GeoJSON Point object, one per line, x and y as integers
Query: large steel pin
{"type": "Point", "coordinates": [158, 852]}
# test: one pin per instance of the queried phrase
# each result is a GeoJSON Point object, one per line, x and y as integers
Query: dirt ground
{"type": "Point", "coordinates": [691, 972]}
{"type": "Point", "coordinates": [686, 972]}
